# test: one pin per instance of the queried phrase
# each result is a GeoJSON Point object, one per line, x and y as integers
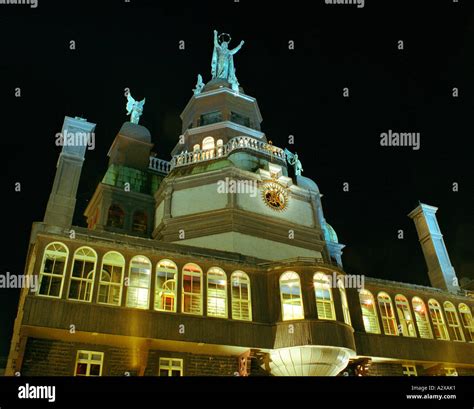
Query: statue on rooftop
{"type": "Point", "coordinates": [134, 108]}
{"type": "Point", "coordinates": [222, 65]}
{"type": "Point", "coordinates": [292, 159]}
{"type": "Point", "coordinates": [199, 85]}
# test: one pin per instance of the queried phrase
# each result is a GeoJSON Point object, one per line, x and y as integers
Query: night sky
{"type": "Point", "coordinates": [300, 93]}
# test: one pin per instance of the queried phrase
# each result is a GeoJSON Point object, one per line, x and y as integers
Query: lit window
{"type": "Point", "coordinates": [290, 293]}
{"type": "Point", "coordinates": [388, 314]}
{"type": "Point", "coordinates": [216, 293]}
{"type": "Point", "coordinates": [449, 371]}
{"type": "Point", "coordinates": [111, 279]}
{"type": "Point", "coordinates": [453, 321]}
{"type": "Point", "coordinates": [421, 318]}
{"type": "Point", "coordinates": [207, 143]}
{"type": "Point", "coordinates": [89, 363]}
{"type": "Point", "coordinates": [139, 223]}
{"type": "Point", "coordinates": [439, 326]}
{"type": "Point", "coordinates": [409, 370]}
{"type": "Point", "coordinates": [115, 217]}
{"type": "Point", "coordinates": [467, 321]}
{"type": "Point", "coordinates": [345, 305]}
{"type": "Point", "coordinates": [404, 316]}
{"type": "Point", "coordinates": [192, 290]}
{"type": "Point", "coordinates": [323, 294]}
{"type": "Point", "coordinates": [171, 367]}
{"type": "Point", "coordinates": [52, 270]}
{"type": "Point", "coordinates": [82, 275]}
{"type": "Point", "coordinates": [369, 313]}
{"type": "Point", "coordinates": [138, 291]}
{"type": "Point", "coordinates": [208, 147]}
{"type": "Point", "coordinates": [241, 299]}
{"type": "Point", "coordinates": [165, 286]}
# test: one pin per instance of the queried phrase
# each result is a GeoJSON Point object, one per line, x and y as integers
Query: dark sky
{"type": "Point", "coordinates": [299, 92]}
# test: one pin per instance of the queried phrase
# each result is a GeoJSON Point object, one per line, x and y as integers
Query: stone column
{"type": "Point", "coordinates": [76, 133]}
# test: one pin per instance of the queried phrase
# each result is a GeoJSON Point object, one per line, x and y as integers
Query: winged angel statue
{"type": "Point", "coordinates": [134, 108]}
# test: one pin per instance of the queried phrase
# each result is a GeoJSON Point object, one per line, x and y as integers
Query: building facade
{"type": "Point", "coordinates": [220, 262]}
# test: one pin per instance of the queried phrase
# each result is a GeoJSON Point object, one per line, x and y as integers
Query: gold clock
{"type": "Point", "coordinates": [274, 196]}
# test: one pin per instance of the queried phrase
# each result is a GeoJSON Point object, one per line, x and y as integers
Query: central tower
{"type": "Point", "coordinates": [229, 188]}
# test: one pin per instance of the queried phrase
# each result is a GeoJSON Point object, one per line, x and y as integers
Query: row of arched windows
{"type": "Point", "coordinates": [112, 281]}
{"type": "Point", "coordinates": [406, 327]}
{"type": "Point", "coordinates": [138, 283]}
{"type": "Point", "coordinates": [292, 300]}
{"type": "Point", "coordinates": [116, 218]}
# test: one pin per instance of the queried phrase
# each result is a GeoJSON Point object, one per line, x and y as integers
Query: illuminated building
{"type": "Point", "coordinates": [174, 276]}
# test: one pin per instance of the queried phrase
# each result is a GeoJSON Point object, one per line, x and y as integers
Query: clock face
{"type": "Point", "coordinates": [274, 196]}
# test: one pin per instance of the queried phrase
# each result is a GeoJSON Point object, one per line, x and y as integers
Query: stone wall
{"type": "Point", "coordinates": [45, 357]}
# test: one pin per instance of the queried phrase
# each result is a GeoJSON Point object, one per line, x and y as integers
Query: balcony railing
{"type": "Point", "coordinates": [159, 165]}
{"type": "Point", "coordinates": [236, 143]}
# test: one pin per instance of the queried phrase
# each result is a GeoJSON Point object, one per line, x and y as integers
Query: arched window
{"type": "Point", "coordinates": [196, 147]}
{"type": "Point", "coordinates": [345, 305]}
{"type": "Point", "coordinates": [323, 294]}
{"type": "Point", "coordinates": [369, 313]}
{"type": "Point", "coordinates": [139, 224]}
{"type": "Point", "coordinates": [52, 270]}
{"type": "Point", "coordinates": [439, 326]}
{"type": "Point", "coordinates": [290, 294]}
{"type": "Point", "coordinates": [165, 286]}
{"type": "Point", "coordinates": [467, 320]}
{"type": "Point", "coordinates": [139, 277]}
{"type": "Point", "coordinates": [387, 313]}
{"type": "Point", "coordinates": [216, 293]}
{"type": "Point", "coordinates": [208, 147]}
{"type": "Point", "coordinates": [192, 289]}
{"type": "Point", "coordinates": [82, 275]}
{"type": "Point", "coordinates": [421, 317]}
{"type": "Point", "coordinates": [241, 299]}
{"type": "Point", "coordinates": [115, 216]}
{"type": "Point", "coordinates": [207, 143]}
{"type": "Point", "coordinates": [404, 316]}
{"type": "Point", "coordinates": [111, 279]}
{"type": "Point", "coordinates": [453, 321]}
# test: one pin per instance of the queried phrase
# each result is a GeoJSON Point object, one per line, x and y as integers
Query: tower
{"type": "Point", "coordinates": [440, 270]}
{"type": "Point", "coordinates": [229, 189]}
{"type": "Point", "coordinates": [123, 201]}
{"type": "Point", "coordinates": [76, 135]}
